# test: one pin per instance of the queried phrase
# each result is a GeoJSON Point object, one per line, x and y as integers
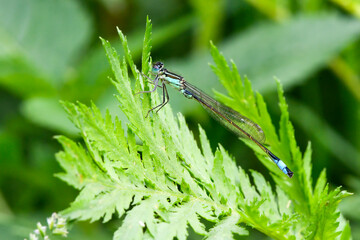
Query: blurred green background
{"type": "Point", "coordinates": [50, 51]}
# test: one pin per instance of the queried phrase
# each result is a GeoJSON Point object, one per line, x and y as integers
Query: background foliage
{"type": "Point", "coordinates": [50, 51]}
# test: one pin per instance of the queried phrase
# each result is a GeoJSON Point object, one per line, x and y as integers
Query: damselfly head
{"type": "Point", "coordinates": [157, 67]}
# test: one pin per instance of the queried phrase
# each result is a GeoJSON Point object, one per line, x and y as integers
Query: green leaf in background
{"type": "Point", "coordinates": [342, 148]}
{"type": "Point", "coordinates": [48, 112]}
{"type": "Point", "coordinates": [40, 38]}
{"type": "Point", "coordinates": [211, 15]}
{"type": "Point", "coordinates": [290, 51]}
{"type": "Point", "coordinates": [36, 52]}
{"type": "Point", "coordinates": [22, 79]}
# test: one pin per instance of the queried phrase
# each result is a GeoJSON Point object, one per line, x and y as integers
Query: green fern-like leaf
{"type": "Point", "coordinates": [157, 178]}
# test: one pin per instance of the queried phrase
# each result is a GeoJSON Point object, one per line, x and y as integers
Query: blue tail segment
{"type": "Point", "coordinates": [280, 164]}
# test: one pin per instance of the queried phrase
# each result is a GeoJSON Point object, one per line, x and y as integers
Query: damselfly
{"type": "Point", "coordinates": [234, 121]}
